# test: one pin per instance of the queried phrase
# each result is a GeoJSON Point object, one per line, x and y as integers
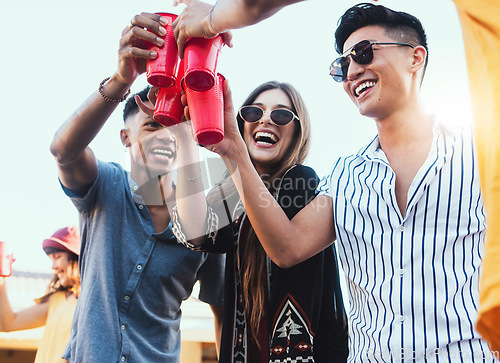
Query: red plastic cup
{"type": "Point", "coordinates": [160, 72]}
{"type": "Point", "coordinates": [200, 57]}
{"type": "Point", "coordinates": [169, 109]}
{"type": "Point", "coordinates": [207, 113]}
{"type": "Point", "coordinates": [6, 260]}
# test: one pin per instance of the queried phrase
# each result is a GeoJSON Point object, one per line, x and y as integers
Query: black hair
{"type": "Point", "coordinates": [399, 25]}
{"type": "Point", "coordinates": [131, 107]}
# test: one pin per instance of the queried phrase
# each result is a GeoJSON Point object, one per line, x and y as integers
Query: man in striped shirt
{"type": "Point", "coordinates": [406, 210]}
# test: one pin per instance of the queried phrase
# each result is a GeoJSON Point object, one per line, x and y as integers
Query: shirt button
{"type": "Point", "coordinates": [401, 228]}
{"type": "Point", "coordinates": [139, 267]}
{"type": "Point", "coordinates": [123, 327]}
{"type": "Point", "coordinates": [122, 358]}
{"type": "Point", "coordinates": [126, 297]}
{"type": "Point", "coordinates": [141, 206]}
{"type": "Point", "coordinates": [136, 187]}
{"type": "Point", "coordinates": [402, 272]}
{"type": "Point", "coordinates": [402, 318]}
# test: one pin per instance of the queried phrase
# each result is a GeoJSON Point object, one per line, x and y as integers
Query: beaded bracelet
{"type": "Point", "coordinates": [109, 99]}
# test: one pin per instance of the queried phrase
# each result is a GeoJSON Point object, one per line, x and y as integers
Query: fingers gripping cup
{"type": "Point", "coordinates": [207, 113]}
{"type": "Point", "coordinates": [6, 260]}
{"type": "Point", "coordinates": [201, 57]}
{"type": "Point", "coordinates": [169, 109]}
{"type": "Point", "coordinates": [160, 72]}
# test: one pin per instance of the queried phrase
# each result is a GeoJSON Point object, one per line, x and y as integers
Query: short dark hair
{"type": "Point", "coordinates": [399, 25]}
{"type": "Point", "coordinates": [131, 107]}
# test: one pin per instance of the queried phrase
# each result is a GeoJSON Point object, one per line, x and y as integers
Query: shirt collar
{"type": "Point", "coordinates": [440, 129]}
{"type": "Point", "coordinates": [135, 190]}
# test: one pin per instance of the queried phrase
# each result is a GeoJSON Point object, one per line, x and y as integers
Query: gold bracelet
{"type": "Point", "coordinates": [109, 99]}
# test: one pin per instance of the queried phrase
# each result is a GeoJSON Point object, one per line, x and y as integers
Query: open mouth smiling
{"type": "Point", "coordinates": [265, 138]}
{"type": "Point", "coordinates": [363, 87]}
{"type": "Point", "coordinates": [163, 153]}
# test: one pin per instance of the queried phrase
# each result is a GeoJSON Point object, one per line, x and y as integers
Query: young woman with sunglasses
{"type": "Point", "coordinates": [55, 309]}
{"type": "Point", "coordinates": [270, 314]}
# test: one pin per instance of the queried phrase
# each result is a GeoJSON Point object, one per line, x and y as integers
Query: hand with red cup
{"type": "Point", "coordinates": [6, 260]}
{"type": "Point", "coordinates": [169, 109]}
{"type": "Point", "coordinates": [161, 71]}
{"type": "Point", "coordinates": [192, 22]}
{"type": "Point", "coordinates": [200, 58]}
{"type": "Point", "coordinates": [206, 110]}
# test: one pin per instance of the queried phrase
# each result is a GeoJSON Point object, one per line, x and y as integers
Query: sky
{"type": "Point", "coordinates": [55, 53]}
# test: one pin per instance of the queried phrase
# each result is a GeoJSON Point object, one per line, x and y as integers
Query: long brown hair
{"type": "Point", "coordinates": [55, 284]}
{"type": "Point", "coordinates": [253, 273]}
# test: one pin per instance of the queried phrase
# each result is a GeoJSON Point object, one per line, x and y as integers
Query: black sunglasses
{"type": "Point", "coordinates": [361, 53]}
{"type": "Point", "coordinates": [280, 116]}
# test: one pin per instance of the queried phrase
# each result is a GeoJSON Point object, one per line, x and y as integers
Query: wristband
{"type": "Point", "coordinates": [109, 99]}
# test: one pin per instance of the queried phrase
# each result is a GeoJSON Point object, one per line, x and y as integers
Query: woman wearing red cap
{"type": "Point", "coordinates": [55, 309]}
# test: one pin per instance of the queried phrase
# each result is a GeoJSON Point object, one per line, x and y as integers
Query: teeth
{"type": "Point", "coordinates": [163, 153]}
{"type": "Point", "coordinates": [362, 87]}
{"type": "Point", "coordinates": [262, 134]}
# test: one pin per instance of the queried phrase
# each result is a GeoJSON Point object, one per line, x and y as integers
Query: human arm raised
{"type": "Point", "coordinates": [33, 317]}
{"type": "Point", "coordinates": [286, 242]}
{"type": "Point", "coordinates": [70, 145]}
{"type": "Point", "coordinates": [190, 212]}
{"type": "Point", "coordinates": [191, 204]}
{"type": "Point", "coordinates": [200, 19]}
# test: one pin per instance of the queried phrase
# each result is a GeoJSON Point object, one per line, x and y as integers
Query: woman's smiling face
{"type": "Point", "coordinates": [267, 142]}
{"type": "Point", "coordinates": [60, 264]}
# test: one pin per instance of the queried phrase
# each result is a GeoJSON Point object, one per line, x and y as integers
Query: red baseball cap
{"type": "Point", "coordinates": [65, 239]}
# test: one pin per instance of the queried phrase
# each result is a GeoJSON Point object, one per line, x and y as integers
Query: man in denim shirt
{"type": "Point", "coordinates": [134, 274]}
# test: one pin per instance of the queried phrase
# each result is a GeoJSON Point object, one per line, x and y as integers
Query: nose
{"type": "Point", "coordinates": [354, 70]}
{"type": "Point", "coordinates": [266, 117]}
{"type": "Point", "coordinates": [54, 264]}
{"type": "Point", "coordinates": [165, 134]}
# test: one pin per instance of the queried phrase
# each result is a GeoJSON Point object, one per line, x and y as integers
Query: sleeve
{"type": "Point", "coordinates": [325, 185]}
{"type": "Point", "coordinates": [84, 201]}
{"type": "Point", "coordinates": [210, 234]}
{"type": "Point", "coordinates": [219, 236]}
{"type": "Point", "coordinates": [211, 277]}
{"type": "Point", "coordinates": [297, 189]}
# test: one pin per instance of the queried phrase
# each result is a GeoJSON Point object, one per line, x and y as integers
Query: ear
{"type": "Point", "coordinates": [125, 138]}
{"type": "Point", "coordinates": [419, 57]}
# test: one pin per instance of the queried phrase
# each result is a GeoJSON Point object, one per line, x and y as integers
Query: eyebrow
{"type": "Point", "coordinates": [148, 119]}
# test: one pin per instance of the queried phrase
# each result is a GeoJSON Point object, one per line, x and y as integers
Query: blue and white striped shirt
{"type": "Point", "coordinates": [413, 280]}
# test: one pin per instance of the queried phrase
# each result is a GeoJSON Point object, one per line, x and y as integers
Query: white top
{"type": "Point", "coordinates": [412, 281]}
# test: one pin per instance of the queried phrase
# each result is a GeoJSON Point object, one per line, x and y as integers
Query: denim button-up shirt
{"type": "Point", "coordinates": [133, 279]}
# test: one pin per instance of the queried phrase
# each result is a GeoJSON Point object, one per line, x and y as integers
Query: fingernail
{"type": "Point", "coordinates": [153, 54]}
{"type": "Point", "coordinates": [159, 41]}
{"type": "Point", "coordinates": [163, 21]}
{"type": "Point", "coordinates": [162, 31]}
